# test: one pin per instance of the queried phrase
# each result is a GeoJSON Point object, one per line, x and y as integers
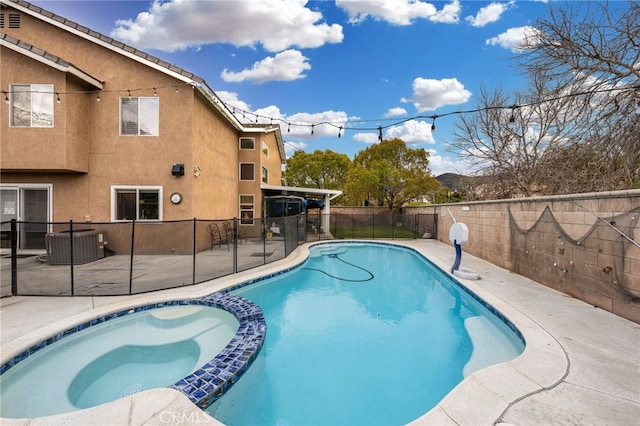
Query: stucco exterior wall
{"type": "Point", "coordinates": [86, 138]}
{"type": "Point", "coordinates": [565, 242]}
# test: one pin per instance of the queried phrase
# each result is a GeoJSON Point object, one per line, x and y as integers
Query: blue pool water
{"type": "Point", "coordinates": [362, 334]}
{"type": "Point", "coordinates": [139, 351]}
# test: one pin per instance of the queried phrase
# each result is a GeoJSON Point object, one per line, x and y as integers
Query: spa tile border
{"type": "Point", "coordinates": [214, 378]}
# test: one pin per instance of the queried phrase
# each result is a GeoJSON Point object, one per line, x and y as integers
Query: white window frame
{"type": "Point", "coordinates": [253, 144]}
{"type": "Point", "coordinates": [155, 131]}
{"type": "Point", "coordinates": [137, 188]}
{"type": "Point", "coordinates": [240, 172]}
{"type": "Point", "coordinates": [265, 149]}
{"type": "Point", "coordinates": [247, 208]}
{"type": "Point", "coordinates": [265, 175]}
{"type": "Point", "coordinates": [41, 95]}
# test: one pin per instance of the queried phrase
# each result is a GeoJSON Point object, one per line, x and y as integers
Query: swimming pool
{"type": "Point", "coordinates": [363, 334]}
{"type": "Point", "coordinates": [171, 344]}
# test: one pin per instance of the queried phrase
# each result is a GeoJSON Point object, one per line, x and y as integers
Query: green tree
{"type": "Point", "coordinates": [390, 174]}
{"type": "Point", "coordinates": [320, 169]}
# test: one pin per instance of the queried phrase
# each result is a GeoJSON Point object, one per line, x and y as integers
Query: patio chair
{"type": "Point", "coordinates": [228, 231]}
{"type": "Point", "coordinates": [216, 237]}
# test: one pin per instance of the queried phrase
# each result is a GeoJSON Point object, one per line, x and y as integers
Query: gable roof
{"type": "Point", "coordinates": [47, 59]}
{"type": "Point", "coordinates": [142, 57]}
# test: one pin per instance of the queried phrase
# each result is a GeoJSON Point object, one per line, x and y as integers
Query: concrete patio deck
{"type": "Point", "coordinates": [581, 365]}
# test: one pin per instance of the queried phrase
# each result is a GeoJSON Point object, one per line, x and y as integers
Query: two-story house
{"type": "Point", "coordinates": [93, 130]}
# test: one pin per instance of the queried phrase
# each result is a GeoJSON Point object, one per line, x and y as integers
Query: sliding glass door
{"type": "Point", "coordinates": [30, 205]}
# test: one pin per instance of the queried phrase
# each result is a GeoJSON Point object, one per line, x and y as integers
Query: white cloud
{"type": "Point", "coordinates": [411, 132]}
{"type": "Point", "coordinates": [515, 39]}
{"type": "Point", "coordinates": [232, 101]}
{"type": "Point", "coordinates": [366, 137]}
{"type": "Point", "coordinates": [323, 124]}
{"type": "Point", "coordinates": [285, 66]}
{"type": "Point", "coordinates": [180, 24]}
{"type": "Point", "coordinates": [450, 13]}
{"type": "Point", "coordinates": [429, 94]}
{"type": "Point", "coordinates": [398, 12]}
{"type": "Point", "coordinates": [396, 112]}
{"type": "Point", "coordinates": [489, 14]}
{"type": "Point", "coordinates": [291, 147]}
{"type": "Point", "coordinates": [439, 164]}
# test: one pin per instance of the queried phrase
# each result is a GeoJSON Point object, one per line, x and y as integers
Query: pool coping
{"type": "Point", "coordinates": [482, 398]}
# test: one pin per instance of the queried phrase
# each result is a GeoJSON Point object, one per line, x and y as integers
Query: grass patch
{"type": "Point", "coordinates": [380, 231]}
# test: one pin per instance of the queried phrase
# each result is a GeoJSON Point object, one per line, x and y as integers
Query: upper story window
{"type": "Point", "coordinates": [265, 175]}
{"type": "Point", "coordinates": [247, 143]}
{"type": "Point", "coordinates": [246, 171]}
{"type": "Point", "coordinates": [140, 116]}
{"type": "Point", "coordinates": [265, 148]}
{"type": "Point", "coordinates": [31, 105]}
{"type": "Point", "coordinates": [142, 203]}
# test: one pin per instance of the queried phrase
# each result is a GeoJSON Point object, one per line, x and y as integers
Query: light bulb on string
{"type": "Point", "coordinates": [58, 97]}
{"type": "Point", "coordinates": [512, 118]}
{"type": "Point", "coordinates": [433, 123]}
{"type": "Point", "coordinates": [340, 132]}
{"type": "Point", "coordinates": [98, 96]}
{"type": "Point", "coordinates": [129, 93]}
{"type": "Point", "coordinates": [6, 96]}
{"type": "Point", "coordinates": [155, 92]}
{"type": "Point", "coordinates": [312, 126]}
{"type": "Point", "coordinates": [380, 133]}
{"type": "Point", "coordinates": [288, 127]}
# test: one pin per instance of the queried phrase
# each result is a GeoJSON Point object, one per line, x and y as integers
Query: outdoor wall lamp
{"type": "Point", "coordinates": [177, 169]}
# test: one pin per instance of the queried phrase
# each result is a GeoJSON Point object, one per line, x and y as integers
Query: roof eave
{"type": "Point", "coordinates": [67, 67]}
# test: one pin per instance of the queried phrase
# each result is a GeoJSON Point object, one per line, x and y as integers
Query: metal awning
{"type": "Point", "coordinates": [307, 193]}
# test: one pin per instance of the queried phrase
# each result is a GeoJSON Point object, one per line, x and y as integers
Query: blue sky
{"type": "Point", "coordinates": [353, 63]}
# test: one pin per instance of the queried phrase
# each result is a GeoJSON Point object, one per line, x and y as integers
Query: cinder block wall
{"type": "Point", "coordinates": [574, 243]}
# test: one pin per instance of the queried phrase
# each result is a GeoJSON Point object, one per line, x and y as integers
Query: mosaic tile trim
{"type": "Point", "coordinates": [214, 378]}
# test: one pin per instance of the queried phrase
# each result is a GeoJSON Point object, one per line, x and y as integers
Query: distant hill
{"type": "Point", "coordinates": [453, 181]}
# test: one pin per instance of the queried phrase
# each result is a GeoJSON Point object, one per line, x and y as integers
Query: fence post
{"type": "Point", "coordinates": [264, 239]}
{"type": "Point", "coordinates": [133, 235]}
{"type": "Point", "coordinates": [393, 226]}
{"type": "Point", "coordinates": [193, 281]}
{"type": "Point", "coordinates": [235, 245]}
{"type": "Point", "coordinates": [373, 226]}
{"type": "Point", "coordinates": [71, 255]}
{"type": "Point", "coordinates": [14, 257]}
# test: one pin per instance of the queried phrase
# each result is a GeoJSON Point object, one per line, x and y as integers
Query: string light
{"type": "Point", "coordinates": [341, 127]}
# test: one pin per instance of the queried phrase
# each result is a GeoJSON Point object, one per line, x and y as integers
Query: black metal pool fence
{"type": "Point", "coordinates": [122, 258]}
